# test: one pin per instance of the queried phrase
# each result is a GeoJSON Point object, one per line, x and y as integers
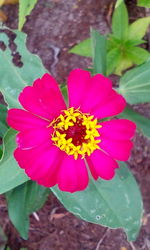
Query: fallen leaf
{"type": "Point", "coordinates": [3, 17]}
{"type": "Point", "coordinates": [58, 216]}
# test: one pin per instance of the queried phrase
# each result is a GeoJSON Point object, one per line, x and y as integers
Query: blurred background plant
{"type": "Point", "coordinates": [25, 8]}
{"type": "Point", "coordinates": [123, 49]}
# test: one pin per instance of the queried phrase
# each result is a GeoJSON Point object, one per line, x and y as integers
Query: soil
{"type": "Point", "coordinates": [53, 28]}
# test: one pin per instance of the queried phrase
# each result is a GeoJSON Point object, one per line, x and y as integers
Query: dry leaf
{"type": "Point", "coordinates": [3, 2]}
{"type": "Point", "coordinates": [3, 17]}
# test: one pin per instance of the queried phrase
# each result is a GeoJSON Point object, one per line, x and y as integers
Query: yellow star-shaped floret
{"type": "Point", "coordinates": [65, 123]}
{"type": "Point", "coordinates": [75, 151]}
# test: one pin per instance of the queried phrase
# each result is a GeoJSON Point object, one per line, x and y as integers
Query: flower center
{"type": "Point", "coordinates": [75, 133]}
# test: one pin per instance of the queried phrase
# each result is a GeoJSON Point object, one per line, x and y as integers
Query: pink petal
{"type": "Point", "coordinates": [44, 98]}
{"type": "Point", "coordinates": [120, 150]}
{"type": "Point", "coordinates": [26, 158]}
{"type": "Point", "coordinates": [96, 92]}
{"type": "Point", "coordinates": [77, 86]}
{"type": "Point", "coordinates": [113, 105]}
{"type": "Point", "coordinates": [94, 95]}
{"type": "Point", "coordinates": [101, 165]}
{"type": "Point", "coordinates": [22, 120]}
{"type": "Point", "coordinates": [41, 164]}
{"type": "Point", "coordinates": [115, 135]}
{"type": "Point", "coordinates": [120, 129]}
{"type": "Point", "coordinates": [31, 138]}
{"type": "Point", "coordinates": [73, 175]}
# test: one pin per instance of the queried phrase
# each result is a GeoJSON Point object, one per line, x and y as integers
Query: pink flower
{"type": "Point", "coordinates": [56, 142]}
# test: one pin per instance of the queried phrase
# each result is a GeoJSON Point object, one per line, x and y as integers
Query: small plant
{"type": "Point", "coordinates": [122, 44]}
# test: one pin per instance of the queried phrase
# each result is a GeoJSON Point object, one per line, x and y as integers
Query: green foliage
{"type": "Point", "coordinates": [122, 50]}
{"type": "Point", "coordinates": [115, 203]}
{"type": "Point", "coordinates": [118, 3]}
{"type": "Point", "coordinates": [125, 38]}
{"type": "Point", "coordinates": [3, 124]}
{"type": "Point", "coordinates": [11, 175]}
{"type": "Point", "coordinates": [137, 55]}
{"type": "Point", "coordinates": [142, 122]}
{"type": "Point", "coordinates": [94, 47]}
{"type": "Point", "coordinates": [83, 48]}
{"type": "Point", "coordinates": [135, 84]}
{"type": "Point", "coordinates": [113, 58]}
{"type": "Point", "coordinates": [25, 8]}
{"type": "Point", "coordinates": [24, 200]}
{"type": "Point", "coordinates": [120, 22]}
{"type": "Point", "coordinates": [1, 151]}
{"type": "Point", "coordinates": [144, 3]}
{"type": "Point", "coordinates": [64, 91]}
{"type": "Point", "coordinates": [138, 28]}
{"type": "Point", "coordinates": [98, 52]}
{"type": "Point", "coordinates": [12, 83]}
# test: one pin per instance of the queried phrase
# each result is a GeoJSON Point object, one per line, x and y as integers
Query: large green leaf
{"type": "Point", "coordinates": [138, 29]}
{"type": "Point", "coordinates": [144, 3]}
{"type": "Point", "coordinates": [25, 7]}
{"type": "Point", "coordinates": [135, 84]}
{"type": "Point", "coordinates": [3, 124]}
{"type": "Point", "coordinates": [11, 175]}
{"type": "Point", "coordinates": [120, 22]}
{"type": "Point", "coordinates": [83, 48]}
{"type": "Point", "coordinates": [116, 203]}
{"type": "Point", "coordinates": [142, 122]}
{"type": "Point", "coordinates": [16, 78]}
{"type": "Point", "coordinates": [24, 200]}
{"type": "Point", "coordinates": [98, 52]}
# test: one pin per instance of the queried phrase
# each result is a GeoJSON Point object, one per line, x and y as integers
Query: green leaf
{"type": "Point", "coordinates": [83, 48]}
{"type": "Point", "coordinates": [120, 22]}
{"type": "Point", "coordinates": [64, 91]}
{"type": "Point", "coordinates": [138, 29]}
{"type": "Point", "coordinates": [3, 124]}
{"type": "Point", "coordinates": [98, 52]}
{"type": "Point", "coordinates": [116, 203]}
{"type": "Point", "coordinates": [142, 122]}
{"type": "Point", "coordinates": [12, 83]}
{"type": "Point", "coordinates": [113, 42]}
{"type": "Point", "coordinates": [134, 42]}
{"type": "Point", "coordinates": [25, 8]}
{"type": "Point", "coordinates": [24, 200]}
{"type": "Point", "coordinates": [118, 3]}
{"type": "Point", "coordinates": [36, 196]}
{"type": "Point", "coordinates": [113, 58]}
{"type": "Point", "coordinates": [138, 55]}
{"type": "Point", "coordinates": [124, 64]}
{"type": "Point", "coordinates": [1, 151]}
{"type": "Point", "coordinates": [144, 3]}
{"type": "Point", "coordinates": [11, 175]}
{"type": "Point", "coordinates": [135, 84]}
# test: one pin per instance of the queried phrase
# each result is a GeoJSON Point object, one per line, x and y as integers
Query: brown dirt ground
{"type": "Point", "coordinates": [54, 27]}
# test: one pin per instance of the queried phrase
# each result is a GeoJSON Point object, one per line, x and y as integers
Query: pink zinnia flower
{"type": "Point", "coordinates": [56, 142]}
